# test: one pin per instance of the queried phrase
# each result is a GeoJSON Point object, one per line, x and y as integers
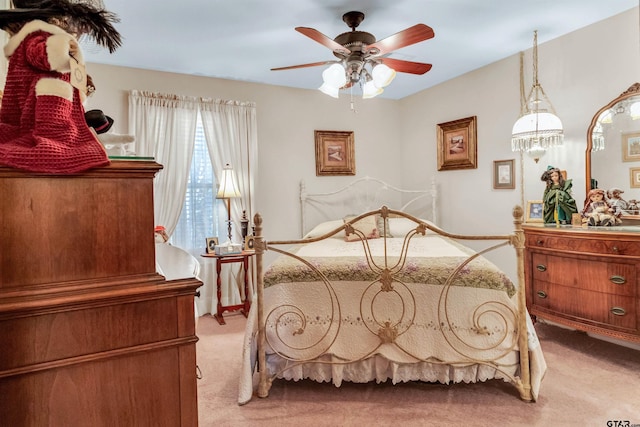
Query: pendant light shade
{"type": "Point", "coordinates": [538, 128]}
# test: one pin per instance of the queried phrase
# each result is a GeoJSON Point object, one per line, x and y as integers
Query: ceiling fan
{"type": "Point", "coordinates": [356, 50]}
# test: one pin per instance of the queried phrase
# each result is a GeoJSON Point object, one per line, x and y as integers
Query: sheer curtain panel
{"type": "Point", "coordinates": [164, 126]}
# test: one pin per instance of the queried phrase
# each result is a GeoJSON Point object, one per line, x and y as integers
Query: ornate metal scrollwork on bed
{"type": "Point", "coordinates": [412, 305]}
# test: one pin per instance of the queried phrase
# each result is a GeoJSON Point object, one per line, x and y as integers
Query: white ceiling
{"type": "Point", "coordinates": [244, 39]}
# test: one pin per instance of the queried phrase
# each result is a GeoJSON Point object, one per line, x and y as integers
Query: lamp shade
{"type": "Point", "coordinates": [329, 90]}
{"type": "Point", "coordinates": [369, 90]}
{"type": "Point", "coordinates": [382, 75]}
{"type": "Point", "coordinates": [335, 76]}
{"type": "Point", "coordinates": [541, 128]}
{"type": "Point", "coordinates": [228, 185]}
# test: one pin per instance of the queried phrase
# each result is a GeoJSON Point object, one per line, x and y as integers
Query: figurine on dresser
{"type": "Point", "coordinates": [616, 201]}
{"type": "Point", "coordinates": [558, 204]}
{"type": "Point", "coordinates": [597, 211]}
{"type": "Point", "coordinates": [42, 123]}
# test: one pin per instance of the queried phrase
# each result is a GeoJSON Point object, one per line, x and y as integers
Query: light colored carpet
{"type": "Point", "coordinates": [588, 383]}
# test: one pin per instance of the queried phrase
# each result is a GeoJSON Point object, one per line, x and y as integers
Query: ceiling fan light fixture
{"type": "Point", "coordinates": [329, 90]}
{"type": "Point", "coordinates": [371, 90]}
{"type": "Point", "coordinates": [335, 76]}
{"type": "Point", "coordinates": [382, 75]}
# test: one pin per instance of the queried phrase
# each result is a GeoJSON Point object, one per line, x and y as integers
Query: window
{"type": "Point", "coordinates": [202, 214]}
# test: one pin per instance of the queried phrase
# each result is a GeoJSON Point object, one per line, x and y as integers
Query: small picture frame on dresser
{"type": "Point", "coordinates": [534, 211]}
{"type": "Point", "coordinates": [212, 242]}
{"type": "Point", "coordinates": [248, 243]}
{"type": "Point", "coordinates": [576, 220]}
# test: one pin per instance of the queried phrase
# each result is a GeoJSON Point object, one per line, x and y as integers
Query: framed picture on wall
{"type": "Point", "coordinates": [634, 175]}
{"type": "Point", "coordinates": [334, 153]}
{"type": "Point", "coordinates": [534, 211]}
{"type": "Point", "coordinates": [504, 174]}
{"type": "Point", "coordinates": [457, 146]}
{"type": "Point", "coordinates": [631, 147]}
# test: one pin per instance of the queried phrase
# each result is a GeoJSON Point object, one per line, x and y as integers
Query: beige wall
{"type": "Point", "coordinates": [396, 140]}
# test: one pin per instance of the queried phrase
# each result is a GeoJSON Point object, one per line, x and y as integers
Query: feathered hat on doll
{"type": "Point", "coordinates": [82, 17]}
{"type": "Point", "coordinates": [42, 123]}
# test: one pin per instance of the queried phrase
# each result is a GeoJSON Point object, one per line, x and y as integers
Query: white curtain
{"type": "Point", "coordinates": [230, 128]}
{"type": "Point", "coordinates": [231, 132]}
{"type": "Point", "coordinates": [164, 126]}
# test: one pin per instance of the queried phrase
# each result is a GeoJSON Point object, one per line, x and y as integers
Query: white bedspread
{"type": "Point", "coordinates": [464, 334]}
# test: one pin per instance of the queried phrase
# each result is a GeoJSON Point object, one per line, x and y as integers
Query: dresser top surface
{"type": "Point", "coordinates": [603, 232]}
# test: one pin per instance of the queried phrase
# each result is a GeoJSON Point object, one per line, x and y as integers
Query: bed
{"type": "Point", "coordinates": [383, 294]}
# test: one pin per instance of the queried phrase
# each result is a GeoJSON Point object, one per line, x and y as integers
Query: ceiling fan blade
{"type": "Point", "coordinates": [312, 64]}
{"type": "Point", "coordinates": [323, 40]}
{"type": "Point", "coordinates": [407, 37]}
{"type": "Point", "coordinates": [402, 66]}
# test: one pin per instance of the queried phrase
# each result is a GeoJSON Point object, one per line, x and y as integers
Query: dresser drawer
{"type": "Point", "coordinates": [591, 275]}
{"type": "Point", "coordinates": [584, 245]}
{"type": "Point", "coordinates": [613, 310]}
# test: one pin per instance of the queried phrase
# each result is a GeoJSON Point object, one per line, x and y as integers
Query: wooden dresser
{"type": "Point", "coordinates": [587, 279]}
{"type": "Point", "coordinates": [90, 334]}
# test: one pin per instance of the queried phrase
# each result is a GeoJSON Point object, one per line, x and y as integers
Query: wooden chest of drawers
{"type": "Point", "coordinates": [586, 279]}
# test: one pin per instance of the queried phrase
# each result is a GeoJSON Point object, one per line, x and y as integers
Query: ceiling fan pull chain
{"type": "Point", "coordinates": [353, 102]}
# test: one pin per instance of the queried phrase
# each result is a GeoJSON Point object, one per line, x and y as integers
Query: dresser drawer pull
{"type": "Point", "coordinates": [541, 294]}
{"type": "Point", "coordinates": [618, 280]}
{"type": "Point", "coordinates": [539, 242]}
{"type": "Point", "coordinates": [618, 311]}
{"type": "Point", "coordinates": [541, 267]}
{"type": "Point", "coordinates": [615, 249]}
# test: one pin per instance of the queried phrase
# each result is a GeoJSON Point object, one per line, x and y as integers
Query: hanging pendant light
{"type": "Point", "coordinates": [538, 128]}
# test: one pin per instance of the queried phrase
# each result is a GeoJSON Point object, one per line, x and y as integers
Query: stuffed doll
{"type": "Point", "coordinates": [42, 123]}
{"type": "Point", "coordinates": [616, 201]}
{"type": "Point", "coordinates": [597, 211]}
{"type": "Point", "coordinates": [558, 202]}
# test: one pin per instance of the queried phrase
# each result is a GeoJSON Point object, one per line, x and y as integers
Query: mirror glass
{"type": "Point", "coordinates": [613, 152]}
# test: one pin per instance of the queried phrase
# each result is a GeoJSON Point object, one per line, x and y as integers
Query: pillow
{"type": "Point", "coordinates": [323, 228]}
{"type": "Point", "coordinates": [399, 227]}
{"type": "Point", "coordinates": [368, 226]}
{"type": "Point", "coordinates": [380, 224]}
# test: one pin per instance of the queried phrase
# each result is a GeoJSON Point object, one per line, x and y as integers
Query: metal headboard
{"type": "Point", "coordinates": [362, 195]}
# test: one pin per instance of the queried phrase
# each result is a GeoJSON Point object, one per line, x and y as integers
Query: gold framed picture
{"type": "Point", "coordinates": [335, 153]}
{"type": "Point", "coordinates": [631, 147]}
{"type": "Point", "coordinates": [212, 242]}
{"type": "Point", "coordinates": [249, 243]}
{"type": "Point", "coordinates": [534, 211]}
{"type": "Point", "coordinates": [457, 146]}
{"type": "Point", "coordinates": [504, 174]}
{"type": "Point", "coordinates": [634, 175]}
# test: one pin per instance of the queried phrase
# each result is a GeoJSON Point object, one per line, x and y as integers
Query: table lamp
{"type": "Point", "coordinates": [228, 188]}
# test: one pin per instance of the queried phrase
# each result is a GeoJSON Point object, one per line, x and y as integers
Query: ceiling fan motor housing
{"type": "Point", "coordinates": [355, 41]}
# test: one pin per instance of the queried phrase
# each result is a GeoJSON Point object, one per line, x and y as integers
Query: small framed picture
{"type": "Point", "coordinates": [634, 175]}
{"type": "Point", "coordinates": [534, 211]}
{"type": "Point", "coordinates": [212, 242]}
{"type": "Point", "coordinates": [576, 220]}
{"type": "Point", "coordinates": [503, 174]}
{"type": "Point", "coordinates": [631, 147]}
{"type": "Point", "coordinates": [248, 243]}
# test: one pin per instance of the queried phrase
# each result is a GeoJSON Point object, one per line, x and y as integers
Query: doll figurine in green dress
{"type": "Point", "coordinates": [558, 202]}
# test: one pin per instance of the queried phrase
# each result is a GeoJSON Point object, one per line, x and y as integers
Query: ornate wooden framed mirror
{"type": "Point", "coordinates": [612, 159]}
